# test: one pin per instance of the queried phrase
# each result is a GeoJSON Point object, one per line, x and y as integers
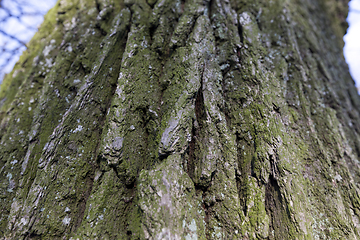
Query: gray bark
{"type": "Point", "coordinates": [175, 119]}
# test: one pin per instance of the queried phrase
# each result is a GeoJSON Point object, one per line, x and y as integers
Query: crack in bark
{"type": "Point", "coordinates": [277, 210]}
{"type": "Point", "coordinates": [197, 127]}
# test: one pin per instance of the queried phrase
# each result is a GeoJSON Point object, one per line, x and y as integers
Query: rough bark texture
{"type": "Point", "coordinates": [173, 119]}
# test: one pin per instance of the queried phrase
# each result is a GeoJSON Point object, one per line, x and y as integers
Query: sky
{"type": "Point", "coordinates": [25, 26]}
{"type": "Point", "coordinates": [20, 19]}
{"type": "Point", "coordinates": [352, 41]}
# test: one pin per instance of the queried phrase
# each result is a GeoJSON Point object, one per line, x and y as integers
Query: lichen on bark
{"type": "Point", "coordinates": [175, 119]}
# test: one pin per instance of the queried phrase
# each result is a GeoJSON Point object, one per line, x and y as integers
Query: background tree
{"type": "Point", "coordinates": [180, 119]}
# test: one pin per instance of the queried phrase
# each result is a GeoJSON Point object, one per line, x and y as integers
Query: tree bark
{"type": "Point", "coordinates": [173, 119]}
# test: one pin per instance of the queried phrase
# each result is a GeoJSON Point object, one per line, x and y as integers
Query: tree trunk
{"type": "Point", "coordinates": [173, 119]}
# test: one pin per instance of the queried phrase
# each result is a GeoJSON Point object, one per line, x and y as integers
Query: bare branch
{"type": "Point", "coordinates": [10, 42]}
{"type": "Point", "coordinates": [12, 37]}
